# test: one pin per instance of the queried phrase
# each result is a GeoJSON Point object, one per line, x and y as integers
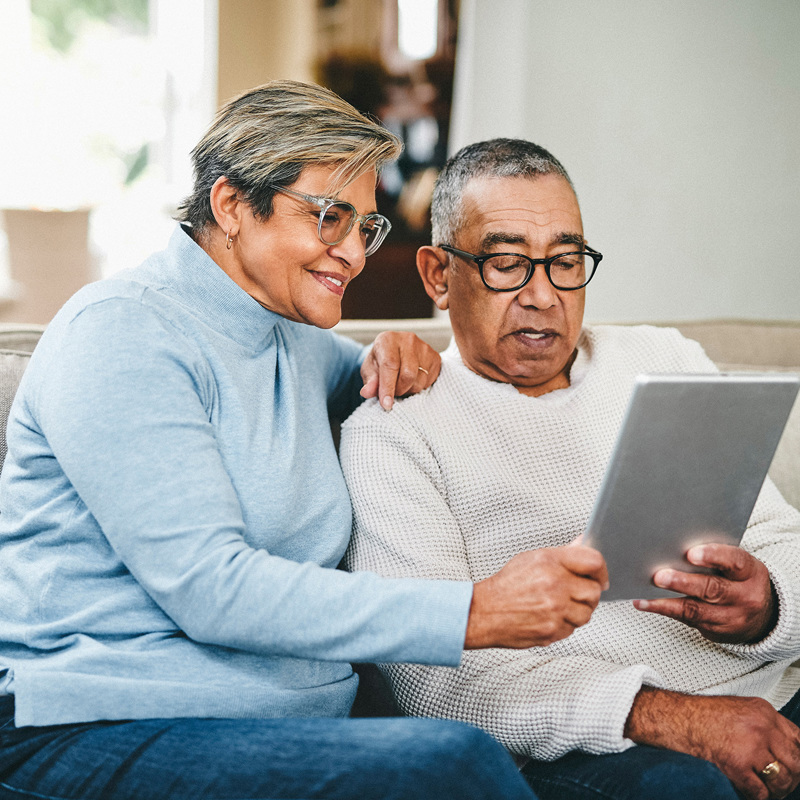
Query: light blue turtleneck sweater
{"type": "Point", "coordinates": [172, 513]}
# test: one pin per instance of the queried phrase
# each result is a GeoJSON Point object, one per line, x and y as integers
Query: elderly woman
{"type": "Point", "coordinates": [172, 622]}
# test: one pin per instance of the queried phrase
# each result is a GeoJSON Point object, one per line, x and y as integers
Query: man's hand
{"type": "Point", "coordinates": [537, 598]}
{"type": "Point", "coordinates": [735, 605]}
{"type": "Point", "coordinates": [740, 735]}
{"type": "Point", "coordinates": [398, 364]}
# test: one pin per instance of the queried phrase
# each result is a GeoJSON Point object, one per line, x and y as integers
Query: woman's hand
{"type": "Point", "coordinates": [537, 598]}
{"type": "Point", "coordinates": [398, 364]}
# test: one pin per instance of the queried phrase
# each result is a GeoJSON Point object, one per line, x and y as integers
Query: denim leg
{"type": "Point", "coordinates": [251, 759]}
{"type": "Point", "coordinates": [792, 709]}
{"type": "Point", "coordinates": [635, 774]}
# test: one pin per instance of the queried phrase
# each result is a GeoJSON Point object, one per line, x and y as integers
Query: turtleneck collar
{"type": "Point", "coordinates": [189, 275]}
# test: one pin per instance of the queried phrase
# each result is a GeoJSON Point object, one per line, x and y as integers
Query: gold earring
{"type": "Point", "coordinates": [229, 240]}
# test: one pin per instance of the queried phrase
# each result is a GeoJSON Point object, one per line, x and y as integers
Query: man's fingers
{"type": "Point", "coordinates": [689, 611]}
{"type": "Point", "coordinates": [709, 588]}
{"type": "Point", "coordinates": [782, 782]}
{"type": "Point", "coordinates": [712, 621]}
{"type": "Point", "coordinates": [732, 562]}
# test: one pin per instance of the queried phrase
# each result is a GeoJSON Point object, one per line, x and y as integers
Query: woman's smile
{"type": "Point", "coordinates": [331, 281]}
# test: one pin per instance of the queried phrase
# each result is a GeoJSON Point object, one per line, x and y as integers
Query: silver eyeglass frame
{"type": "Point", "coordinates": [324, 203]}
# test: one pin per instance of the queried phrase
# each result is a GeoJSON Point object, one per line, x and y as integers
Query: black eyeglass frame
{"type": "Point", "coordinates": [324, 203]}
{"type": "Point", "coordinates": [532, 262]}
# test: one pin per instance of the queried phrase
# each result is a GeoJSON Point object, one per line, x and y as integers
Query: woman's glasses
{"type": "Point", "coordinates": [337, 218]}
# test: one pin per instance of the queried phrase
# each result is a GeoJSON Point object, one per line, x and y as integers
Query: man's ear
{"type": "Point", "coordinates": [226, 206]}
{"type": "Point", "coordinates": [433, 267]}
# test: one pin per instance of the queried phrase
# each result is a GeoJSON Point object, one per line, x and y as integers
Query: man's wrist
{"type": "Point", "coordinates": [771, 617]}
{"type": "Point", "coordinates": [659, 718]}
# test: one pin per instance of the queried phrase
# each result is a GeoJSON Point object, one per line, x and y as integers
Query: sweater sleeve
{"type": "Point", "coordinates": [533, 701]}
{"type": "Point", "coordinates": [773, 537]}
{"type": "Point", "coordinates": [123, 404]}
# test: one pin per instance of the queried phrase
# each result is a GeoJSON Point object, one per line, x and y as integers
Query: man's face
{"type": "Point", "coordinates": [526, 337]}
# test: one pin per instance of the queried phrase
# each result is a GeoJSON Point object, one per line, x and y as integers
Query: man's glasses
{"type": "Point", "coordinates": [507, 272]}
{"type": "Point", "coordinates": [337, 218]}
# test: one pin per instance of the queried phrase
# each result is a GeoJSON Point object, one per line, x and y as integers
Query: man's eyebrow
{"type": "Point", "coordinates": [502, 237]}
{"type": "Point", "coordinates": [570, 238]}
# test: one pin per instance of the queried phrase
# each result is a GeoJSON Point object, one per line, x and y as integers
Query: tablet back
{"type": "Point", "coordinates": [687, 467]}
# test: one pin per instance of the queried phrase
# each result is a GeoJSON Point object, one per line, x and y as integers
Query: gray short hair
{"type": "Point", "coordinates": [269, 134]}
{"type": "Point", "coordinates": [498, 158]}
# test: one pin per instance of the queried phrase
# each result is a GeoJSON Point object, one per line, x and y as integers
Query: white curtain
{"type": "Point", "coordinates": [679, 124]}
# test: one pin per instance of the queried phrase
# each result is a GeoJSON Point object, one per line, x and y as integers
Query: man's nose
{"type": "Point", "coordinates": [538, 292]}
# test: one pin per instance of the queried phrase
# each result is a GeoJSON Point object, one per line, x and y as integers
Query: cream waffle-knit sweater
{"type": "Point", "coordinates": [455, 481]}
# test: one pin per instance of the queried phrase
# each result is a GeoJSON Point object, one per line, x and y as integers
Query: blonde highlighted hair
{"type": "Point", "coordinates": [268, 135]}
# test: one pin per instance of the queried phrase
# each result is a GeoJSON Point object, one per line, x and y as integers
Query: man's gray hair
{"type": "Point", "coordinates": [496, 158]}
{"type": "Point", "coordinates": [269, 134]}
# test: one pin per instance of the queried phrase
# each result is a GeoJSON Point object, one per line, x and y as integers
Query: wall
{"type": "Point", "coordinates": [264, 40]}
{"type": "Point", "coordinates": [678, 123]}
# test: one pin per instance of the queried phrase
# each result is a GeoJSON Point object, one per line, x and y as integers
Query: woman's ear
{"type": "Point", "coordinates": [226, 206]}
{"type": "Point", "coordinates": [433, 265]}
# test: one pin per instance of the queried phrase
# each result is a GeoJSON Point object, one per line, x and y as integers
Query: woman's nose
{"type": "Point", "coordinates": [351, 250]}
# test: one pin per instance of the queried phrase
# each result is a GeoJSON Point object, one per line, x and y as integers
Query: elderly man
{"type": "Point", "coordinates": [505, 453]}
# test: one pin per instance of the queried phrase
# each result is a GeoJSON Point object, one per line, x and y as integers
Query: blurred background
{"type": "Point", "coordinates": [678, 121]}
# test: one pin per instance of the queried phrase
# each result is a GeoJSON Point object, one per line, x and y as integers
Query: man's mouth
{"type": "Point", "coordinates": [534, 338]}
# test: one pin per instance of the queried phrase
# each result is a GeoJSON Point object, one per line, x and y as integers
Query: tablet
{"type": "Point", "coordinates": [687, 467]}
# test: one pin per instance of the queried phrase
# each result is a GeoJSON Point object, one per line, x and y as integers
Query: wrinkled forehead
{"type": "Point", "coordinates": [536, 209]}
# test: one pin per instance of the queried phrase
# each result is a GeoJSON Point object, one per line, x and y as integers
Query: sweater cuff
{"type": "Point", "coordinates": [437, 620]}
{"type": "Point", "coordinates": [783, 641]}
{"type": "Point", "coordinates": [598, 725]}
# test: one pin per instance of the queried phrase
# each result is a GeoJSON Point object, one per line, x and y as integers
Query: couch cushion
{"type": "Point", "coordinates": [12, 365]}
{"type": "Point", "coordinates": [765, 344]}
{"type": "Point", "coordinates": [785, 468]}
{"type": "Point", "coordinates": [22, 338]}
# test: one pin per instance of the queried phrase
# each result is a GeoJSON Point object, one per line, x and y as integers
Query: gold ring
{"type": "Point", "coordinates": [422, 369]}
{"type": "Point", "coordinates": [771, 770]}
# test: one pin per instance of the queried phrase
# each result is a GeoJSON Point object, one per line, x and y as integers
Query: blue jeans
{"type": "Point", "coordinates": [255, 759]}
{"type": "Point", "coordinates": [639, 773]}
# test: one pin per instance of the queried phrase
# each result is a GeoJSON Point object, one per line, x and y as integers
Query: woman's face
{"type": "Point", "coordinates": [281, 261]}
